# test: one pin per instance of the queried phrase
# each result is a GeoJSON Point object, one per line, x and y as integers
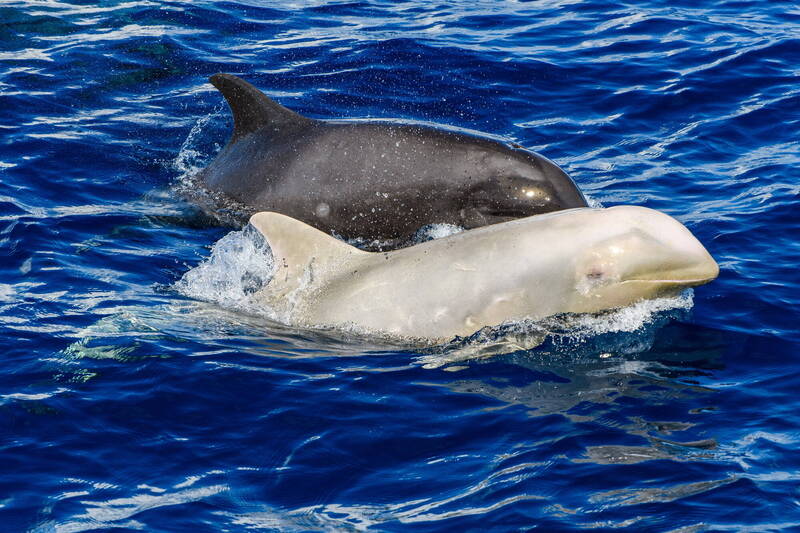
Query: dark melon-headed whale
{"type": "Point", "coordinates": [375, 180]}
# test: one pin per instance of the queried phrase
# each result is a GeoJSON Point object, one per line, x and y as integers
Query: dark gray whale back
{"type": "Point", "coordinates": [375, 181]}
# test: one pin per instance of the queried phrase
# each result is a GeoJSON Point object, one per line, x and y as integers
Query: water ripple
{"type": "Point", "coordinates": [128, 404]}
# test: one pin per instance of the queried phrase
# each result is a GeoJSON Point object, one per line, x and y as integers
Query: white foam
{"type": "Point", "coordinates": [240, 264]}
{"type": "Point", "coordinates": [567, 329]}
{"type": "Point", "coordinates": [593, 202]}
{"type": "Point", "coordinates": [626, 319]}
{"type": "Point", "coordinates": [435, 231]}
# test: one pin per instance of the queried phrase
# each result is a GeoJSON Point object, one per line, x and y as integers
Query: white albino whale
{"type": "Point", "coordinates": [575, 261]}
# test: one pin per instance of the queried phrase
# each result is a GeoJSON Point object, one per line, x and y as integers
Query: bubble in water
{"type": "Point", "coordinates": [239, 266]}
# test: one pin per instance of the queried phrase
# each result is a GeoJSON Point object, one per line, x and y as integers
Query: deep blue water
{"type": "Point", "coordinates": [125, 403]}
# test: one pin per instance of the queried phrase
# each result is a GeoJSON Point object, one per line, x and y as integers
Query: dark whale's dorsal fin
{"type": "Point", "coordinates": [252, 109]}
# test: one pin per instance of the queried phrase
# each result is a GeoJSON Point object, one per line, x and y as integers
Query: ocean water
{"type": "Point", "coordinates": [138, 391]}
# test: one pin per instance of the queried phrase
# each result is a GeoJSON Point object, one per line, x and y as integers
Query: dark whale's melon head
{"type": "Point", "coordinates": [519, 184]}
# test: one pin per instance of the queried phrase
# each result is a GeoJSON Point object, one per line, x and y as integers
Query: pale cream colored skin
{"type": "Point", "coordinates": [575, 261]}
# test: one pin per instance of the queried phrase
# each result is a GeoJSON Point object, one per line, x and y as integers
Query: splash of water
{"type": "Point", "coordinates": [239, 265]}
{"type": "Point", "coordinates": [435, 231]}
{"type": "Point", "coordinates": [567, 330]}
{"type": "Point", "coordinates": [196, 153]}
{"type": "Point", "coordinates": [191, 157]}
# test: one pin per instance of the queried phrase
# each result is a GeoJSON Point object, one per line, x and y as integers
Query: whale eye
{"type": "Point", "coordinates": [591, 280]}
{"type": "Point", "coordinates": [595, 274]}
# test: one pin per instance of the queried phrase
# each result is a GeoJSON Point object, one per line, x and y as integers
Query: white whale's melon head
{"type": "Point", "coordinates": [630, 253]}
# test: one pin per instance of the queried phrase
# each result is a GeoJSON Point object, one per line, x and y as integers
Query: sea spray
{"type": "Point", "coordinates": [627, 329]}
{"type": "Point", "coordinates": [192, 155]}
{"type": "Point", "coordinates": [239, 265]}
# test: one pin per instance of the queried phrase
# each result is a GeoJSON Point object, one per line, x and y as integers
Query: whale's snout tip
{"type": "Point", "coordinates": [694, 264]}
{"type": "Point", "coordinates": [705, 270]}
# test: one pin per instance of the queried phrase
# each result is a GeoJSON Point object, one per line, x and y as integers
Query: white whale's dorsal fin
{"type": "Point", "coordinates": [303, 256]}
{"type": "Point", "coordinates": [252, 109]}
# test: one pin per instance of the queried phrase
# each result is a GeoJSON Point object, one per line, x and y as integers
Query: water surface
{"type": "Point", "coordinates": [126, 404]}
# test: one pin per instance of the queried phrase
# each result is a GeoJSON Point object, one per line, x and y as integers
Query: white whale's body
{"type": "Point", "coordinates": [575, 261]}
